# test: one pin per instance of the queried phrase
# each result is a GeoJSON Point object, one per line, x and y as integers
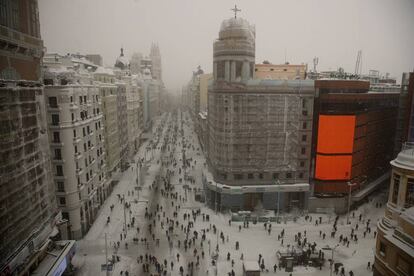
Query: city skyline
{"type": "Point", "coordinates": [299, 31]}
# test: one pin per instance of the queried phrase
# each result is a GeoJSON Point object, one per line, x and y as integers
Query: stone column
{"type": "Point", "coordinates": [227, 70]}
{"type": "Point", "coordinates": [233, 71]}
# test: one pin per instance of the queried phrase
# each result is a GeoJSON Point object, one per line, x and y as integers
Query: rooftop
{"type": "Point", "coordinates": [405, 159]}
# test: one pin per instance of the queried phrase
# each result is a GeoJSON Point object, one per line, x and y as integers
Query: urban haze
{"type": "Point", "coordinates": [192, 138]}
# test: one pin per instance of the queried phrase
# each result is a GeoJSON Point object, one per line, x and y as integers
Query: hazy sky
{"type": "Point", "coordinates": [185, 30]}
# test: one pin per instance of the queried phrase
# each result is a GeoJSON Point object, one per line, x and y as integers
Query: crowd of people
{"type": "Point", "coordinates": [175, 235]}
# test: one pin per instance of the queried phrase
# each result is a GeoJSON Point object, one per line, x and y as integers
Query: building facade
{"type": "Point", "coordinates": [155, 56]}
{"type": "Point", "coordinates": [353, 138]}
{"type": "Point", "coordinates": [394, 251]}
{"type": "Point", "coordinates": [268, 71]}
{"type": "Point", "coordinates": [75, 127]}
{"type": "Point", "coordinates": [259, 131]}
{"type": "Point", "coordinates": [28, 211]}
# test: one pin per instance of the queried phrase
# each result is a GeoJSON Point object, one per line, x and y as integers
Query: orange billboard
{"type": "Point", "coordinates": [333, 167]}
{"type": "Point", "coordinates": [336, 134]}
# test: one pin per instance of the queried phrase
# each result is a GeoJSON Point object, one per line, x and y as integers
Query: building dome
{"type": "Point", "coordinates": [405, 159]}
{"type": "Point", "coordinates": [236, 28]}
{"type": "Point", "coordinates": [122, 62]}
{"type": "Point", "coordinates": [234, 51]}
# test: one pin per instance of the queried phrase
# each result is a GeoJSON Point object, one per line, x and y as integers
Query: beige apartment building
{"type": "Point", "coordinates": [108, 91]}
{"type": "Point", "coordinates": [204, 80]}
{"type": "Point", "coordinates": [268, 71]}
{"type": "Point", "coordinates": [133, 112]}
{"type": "Point", "coordinates": [78, 155]}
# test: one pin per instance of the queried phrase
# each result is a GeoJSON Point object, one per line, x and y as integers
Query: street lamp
{"type": "Point", "coordinates": [125, 223]}
{"type": "Point", "coordinates": [350, 185]}
{"type": "Point", "coordinates": [332, 256]}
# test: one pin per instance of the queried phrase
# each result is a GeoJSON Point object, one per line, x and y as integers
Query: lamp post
{"type": "Point", "coordinates": [332, 255]}
{"type": "Point", "coordinates": [349, 199]}
{"type": "Point", "coordinates": [125, 224]}
{"type": "Point", "coordinates": [106, 257]}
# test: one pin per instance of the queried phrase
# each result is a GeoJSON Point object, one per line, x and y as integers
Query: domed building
{"type": "Point", "coordinates": [122, 62]}
{"type": "Point", "coordinates": [234, 51]}
{"type": "Point", "coordinates": [259, 131]}
{"type": "Point", "coordinates": [394, 254]}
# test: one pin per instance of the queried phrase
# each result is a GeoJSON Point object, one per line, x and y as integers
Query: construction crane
{"type": "Point", "coordinates": [358, 64]}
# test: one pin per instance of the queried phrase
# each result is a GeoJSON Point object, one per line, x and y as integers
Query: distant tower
{"type": "Point", "coordinates": [135, 63]}
{"type": "Point", "coordinates": [155, 56]}
{"type": "Point", "coordinates": [234, 51]}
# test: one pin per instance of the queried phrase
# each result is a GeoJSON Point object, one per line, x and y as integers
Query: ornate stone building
{"type": "Point", "coordinates": [394, 253]}
{"type": "Point", "coordinates": [259, 131]}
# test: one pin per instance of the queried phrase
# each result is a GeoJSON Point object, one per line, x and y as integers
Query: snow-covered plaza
{"type": "Point", "coordinates": [166, 229]}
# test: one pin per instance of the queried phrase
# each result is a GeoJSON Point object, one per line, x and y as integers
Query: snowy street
{"type": "Point", "coordinates": [169, 230]}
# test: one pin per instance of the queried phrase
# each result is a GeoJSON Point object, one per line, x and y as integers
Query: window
{"type": "Point", "coordinates": [89, 144]}
{"type": "Point", "coordinates": [382, 249]}
{"type": "Point", "coordinates": [73, 117]}
{"type": "Point", "coordinates": [71, 99]}
{"type": "Point", "coordinates": [301, 175]}
{"type": "Point", "coordinates": [275, 175]}
{"type": "Point", "coordinates": [238, 176]}
{"type": "Point", "coordinates": [86, 162]}
{"type": "Point", "coordinates": [288, 175]}
{"type": "Point", "coordinates": [302, 164]}
{"type": "Point", "coordinates": [403, 266]}
{"type": "Point", "coordinates": [88, 129]}
{"type": "Point", "coordinates": [303, 150]}
{"type": "Point", "coordinates": [409, 195]}
{"type": "Point", "coordinates": [74, 133]}
{"type": "Point", "coordinates": [55, 119]}
{"type": "Point", "coordinates": [84, 99]}
{"type": "Point", "coordinates": [260, 175]}
{"type": "Point", "coordinates": [59, 170]}
{"type": "Point", "coordinates": [239, 66]}
{"type": "Point", "coordinates": [249, 176]}
{"type": "Point", "coordinates": [396, 187]}
{"type": "Point", "coordinates": [304, 138]}
{"type": "Point", "coordinates": [84, 131]}
{"type": "Point", "coordinates": [304, 125]}
{"type": "Point", "coordinates": [80, 99]}
{"type": "Point", "coordinates": [76, 149]}
{"type": "Point", "coordinates": [58, 154]}
{"type": "Point", "coordinates": [65, 215]}
{"type": "Point", "coordinates": [84, 146]}
{"type": "Point", "coordinates": [53, 102]}
{"type": "Point", "coordinates": [62, 201]}
{"type": "Point", "coordinates": [56, 137]}
{"type": "Point", "coordinates": [60, 186]}
{"type": "Point", "coordinates": [220, 70]}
